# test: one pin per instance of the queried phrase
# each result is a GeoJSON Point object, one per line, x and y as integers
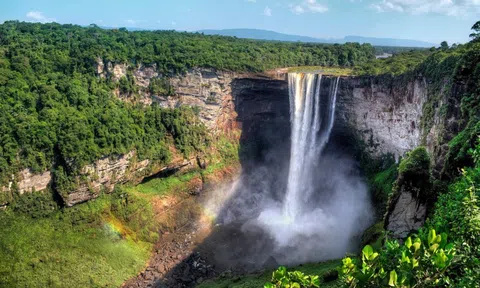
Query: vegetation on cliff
{"type": "Point", "coordinates": [57, 114]}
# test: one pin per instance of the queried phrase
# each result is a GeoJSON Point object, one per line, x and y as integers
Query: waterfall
{"type": "Point", "coordinates": [326, 204]}
{"type": "Point", "coordinates": [311, 127]}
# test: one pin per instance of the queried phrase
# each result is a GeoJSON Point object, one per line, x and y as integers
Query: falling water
{"type": "Point", "coordinates": [308, 139]}
{"type": "Point", "coordinates": [326, 205]}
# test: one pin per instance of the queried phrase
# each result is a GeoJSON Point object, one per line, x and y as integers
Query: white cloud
{"type": "Point", "coordinates": [38, 16]}
{"type": "Point", "coordinates": [131, 21]}
{"type": "Point", "coordinates": [446, 7]}
{"type": "Point", "coordinates": [311, 6]}
{"type": "Point", "coordinates": [251, 1]}
{"type": "Point", "coordinates": [267, 11]}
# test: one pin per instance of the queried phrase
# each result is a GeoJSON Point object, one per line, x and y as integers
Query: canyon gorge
{"type": "Point", "coordinates": [176, 159]}
{"type": "Point", "coordinates": [372, 117]}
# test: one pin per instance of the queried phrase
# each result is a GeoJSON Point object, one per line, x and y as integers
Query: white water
{"type": "Point", "coordinates": [307, 141]}
{"type": "Point", "coordinates": [325, 205]}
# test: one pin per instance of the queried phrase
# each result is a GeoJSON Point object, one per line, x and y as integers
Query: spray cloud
{"type": "Point", "coordinates": [324, 205]}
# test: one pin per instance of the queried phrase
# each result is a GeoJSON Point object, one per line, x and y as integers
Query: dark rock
{"type": "Point", "coordinates": [271, 263]}
{"type": "Point", "coordinates": [408, 215]}
{"type": "Point", "coordinates": [330, 276]}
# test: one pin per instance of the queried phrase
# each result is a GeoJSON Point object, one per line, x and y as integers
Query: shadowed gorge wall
{"type": "Point", "coordinates": [264, 115]}
{"type": "Point", "coordinates": [383, 113]}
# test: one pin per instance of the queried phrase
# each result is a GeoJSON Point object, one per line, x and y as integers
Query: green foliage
{"type": "Point", "coordinates": [414, 173]}
{"type": "Point", "coordinates": [476, 28]}
{"type": "Point", "coordinates": [421, 262]}
{"type": "Point", "coordinates": [458, 212]}
{"type": "Point", "coordinates": [382, 185]}
{"type": "Point", "coordinates": [397, 64]}
{"type": "Point", "coordinates": [453, 74]}
{"type": "Point", "coordinates": [374, 235]}
{"type": "Point", "coordinates": [127, 84]}
{"type": "Point", "coordinates": [73, 47]}
{"type": "Point", "coordinates": [162, 186]}
{"type": "Point", "coordinates": [444, 45]}
{"type": "Point", "coordinates": [298, 279]}
{"type": "Point", "coordinates": [295, 279]}
{"type": "Point", "coordinates": [379, 50]}
{"type": "Point", "coordinates": [416, 162]}
{"type": "Point", "coordinates": [228, 149]}
{"type": "Point", "coordinates": [137, 212]}
{"type": "Point", "coordinates": [35, 204]}
{"type": "Point", "coordinates": [256, 280]}
{"type": "Point", "coordinates": [161, 86]}
{"type": "Point", "coordinates": [83, 246]}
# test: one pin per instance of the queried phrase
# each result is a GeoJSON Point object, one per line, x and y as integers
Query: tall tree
{"type": "Point", "coordinates": [476, 35]}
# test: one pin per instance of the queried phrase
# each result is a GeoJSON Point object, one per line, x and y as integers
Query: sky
{"type": "Point", "coordinates": [427, 20]}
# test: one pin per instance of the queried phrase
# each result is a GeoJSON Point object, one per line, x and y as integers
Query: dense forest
{"type": "Point", "coordinates": [71, 48]}
{"type": "Point", "coordinates": [55, 112]}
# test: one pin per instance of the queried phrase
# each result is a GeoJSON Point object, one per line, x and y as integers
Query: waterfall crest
{"type": "Point", "coordinates": [310, 133]}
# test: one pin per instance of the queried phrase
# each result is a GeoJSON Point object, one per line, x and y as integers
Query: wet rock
{"type": "Point", "coordinates": [408, 215]}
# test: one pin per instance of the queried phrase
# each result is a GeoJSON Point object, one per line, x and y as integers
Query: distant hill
{"type": "Point", "coordinates": [275, 36]}
{"type": "Point", "coordinates": [389, 41]}
{"type": "Point", "coordinates": [258, 34]}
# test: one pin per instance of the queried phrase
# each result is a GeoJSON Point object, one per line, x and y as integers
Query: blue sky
{"type": "Point", "coordinates": [428, 20]}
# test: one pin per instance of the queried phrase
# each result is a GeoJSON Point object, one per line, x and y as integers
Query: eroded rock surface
{"type": "Point", "coordinates": [385, 113]}
{"type": "Point", "coordinates": [28, 181]}
{"type": "Point", "coordinates": [408, 215]}
{"type": "Point", "coordinates": [107, 172]}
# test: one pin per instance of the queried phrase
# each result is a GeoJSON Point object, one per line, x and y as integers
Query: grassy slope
{"type": "Point", "coordinates": [258, 280]}
{"type": "Point", "coordinates": [50, 252]}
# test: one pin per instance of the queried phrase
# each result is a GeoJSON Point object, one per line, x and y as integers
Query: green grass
{"type": "Point", "coordinates": [165, 186]}
{"type": "Point", "coordinates": [258, 280]}
{"type": "Point", "coordinates": [382, 184]}
{"type": "Point", "coordinates": [226, 154]}
{"type": "Point", "coordinates": [50, 252]}
{"type": "Point", "coordinates": [332, 71]}
{"type": "Point", "coordinates": [100, 243]}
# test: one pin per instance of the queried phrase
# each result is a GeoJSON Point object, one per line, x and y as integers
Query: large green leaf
{"type": "Point", "coordinates": [432, 235]}
{"type": "Point", "coordinates": [392, 282]}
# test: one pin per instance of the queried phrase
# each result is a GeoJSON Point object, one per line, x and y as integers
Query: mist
{"type": "Point", "coordinates": [303, 203]}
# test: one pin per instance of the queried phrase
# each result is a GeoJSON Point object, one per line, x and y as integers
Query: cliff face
{"type": "Point", "coordinates": [383, 112]}
{"type": "Point", "coordinates": [264, 115]}
{"type": "Point", "coordinates": [105, 173]}
{"type": "Point", "coordinates": [208, 89]}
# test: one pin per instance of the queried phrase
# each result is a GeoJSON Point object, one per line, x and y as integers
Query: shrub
{"type": "Point", "coordinates": [414, 174]}
{"type": "Point", "coordinates": [161, 86]}
{"type": "Point", "coordinates": [416, 163]}
{"type": "Point", "coordinates": [35, 204]}
{"type": "Point", "coordinates": [382, 186]}
{"type": "Point", "coordinates": [420, 262]}
{"type": "Point", "coordinates": [296, 279]}
{"type": "Point", "coordinates": [457, 212]}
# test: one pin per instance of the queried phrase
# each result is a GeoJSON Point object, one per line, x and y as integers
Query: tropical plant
{"type": "Point", "coordinates": [420, 262]}
{"type": "Point", "coordinates": [295, 279]}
